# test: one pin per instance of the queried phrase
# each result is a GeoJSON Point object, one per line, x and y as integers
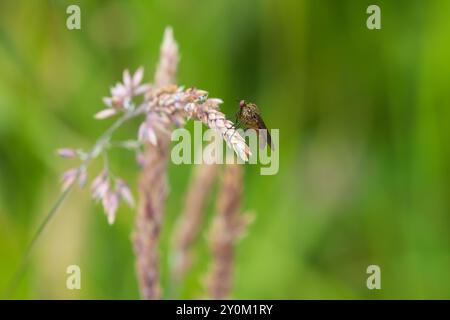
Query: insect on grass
{"type": "Point", "coordinates": [249, 117]}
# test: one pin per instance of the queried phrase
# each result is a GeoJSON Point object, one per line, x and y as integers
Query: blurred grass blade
{"type": "Point", "coordinates": [26, 256]}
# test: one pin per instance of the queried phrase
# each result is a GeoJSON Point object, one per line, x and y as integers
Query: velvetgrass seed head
{"type": "Point", "coordinates": [164, 106]}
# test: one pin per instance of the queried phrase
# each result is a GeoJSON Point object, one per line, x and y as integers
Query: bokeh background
{"type": "Point", "coordinates": [364, 126]}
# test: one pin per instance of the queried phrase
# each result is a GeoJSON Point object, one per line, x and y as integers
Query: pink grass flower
{"type": "Point", "coordinates": [68, 178]}
{"type": "Point", "coordinates": [66, 153]}
{"type": "Point", "coordinates": [146, 133]}
{"type": "Point", "coordinates": [105, 113]}
{"type": "Point", "coordinates": [124, 191]}
{"type": "Point", "coordinates": [123, 92]}
{"type": "Point", "coordinates": [100, 185]}
{"type": "Point", "coordinates": [140, 159]}
{"type": "Point", "coordinates": [110, 203]}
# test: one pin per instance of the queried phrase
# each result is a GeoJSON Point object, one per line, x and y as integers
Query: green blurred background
{"type": "Point", "coordinates": [363, 118]}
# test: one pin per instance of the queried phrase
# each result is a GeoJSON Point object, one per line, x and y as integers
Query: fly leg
{"type": "Point", "coordinates": [238, 124]}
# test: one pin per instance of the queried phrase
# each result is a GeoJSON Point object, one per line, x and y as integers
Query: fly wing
{"type": "Point", "coordinates": [262, 138]}
{"type": "Point", "coordinates": [264, 135]}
